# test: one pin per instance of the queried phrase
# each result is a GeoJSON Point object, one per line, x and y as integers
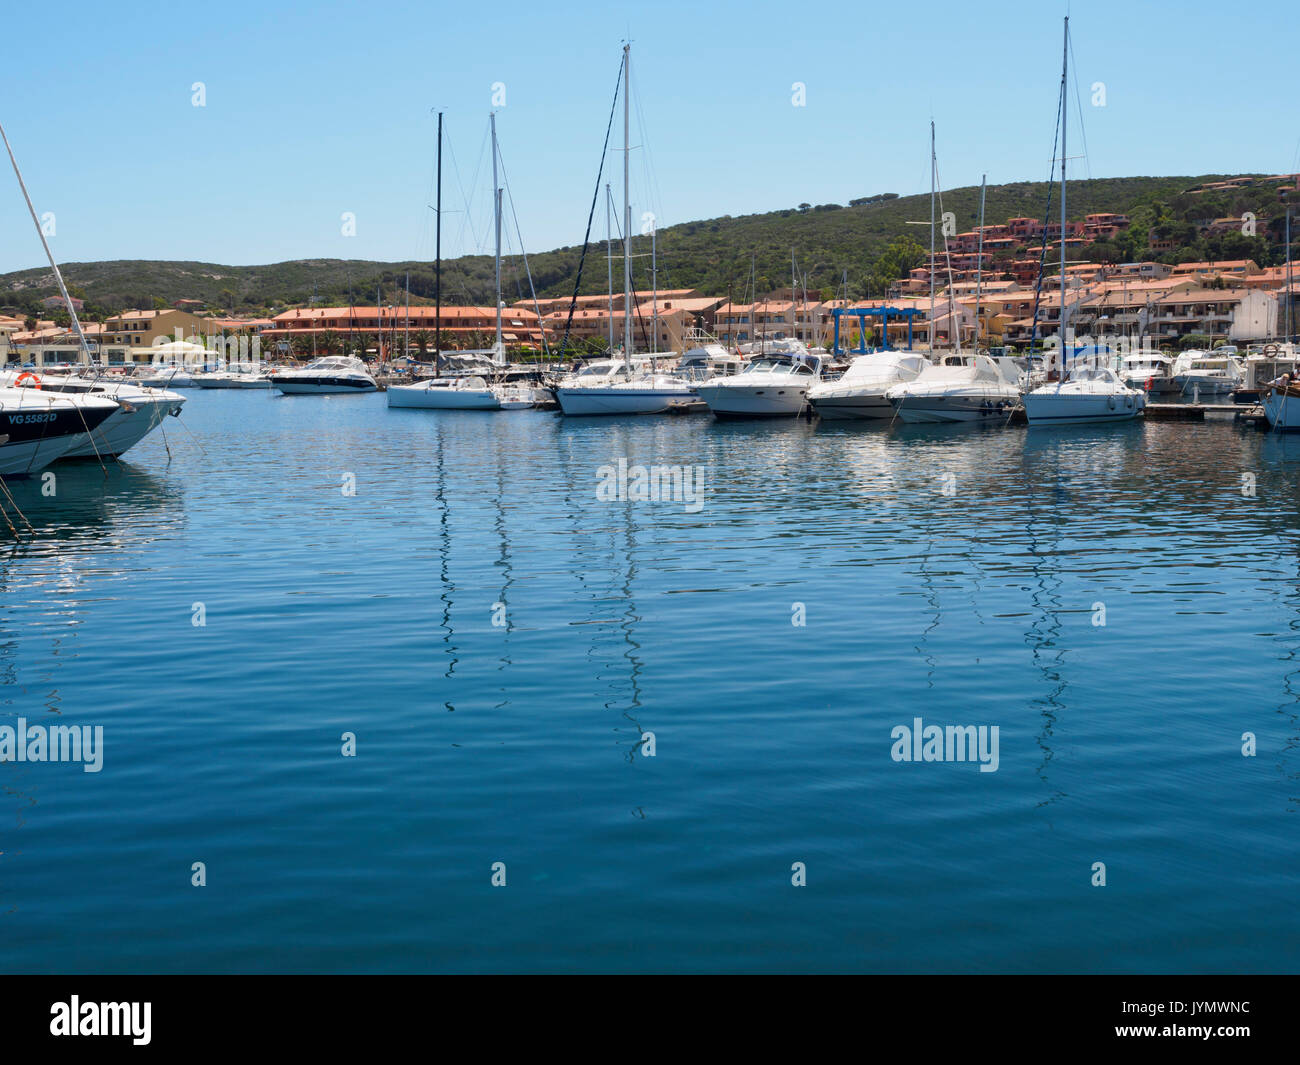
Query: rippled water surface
{"type": "Point", "coordinates": [957, 576]}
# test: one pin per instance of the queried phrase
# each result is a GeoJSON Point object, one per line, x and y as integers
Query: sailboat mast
{"type": "Point", "coordinates": [627, 209]}
{"type": "Point", "coordinates": [979, 264]}
{"type": "Point", "coordinates": [1065, 121]}
{"type": "Point", "coordinates": [437, 269]}
{"type": "Point", "coordinates": [794, 299]}
{"type": "Point", "coordinates": [654, 290]}
{"type": "Point", "coordinates": [609, 259]}
{"type": "Point", "coordinates": [58, 274]}
{"type": "Point", "coordinates": [499, 354]}
{"type": "Point", "coordinates": [1290, 295]}
{"type": "Point", "coordinates": [933, 169]}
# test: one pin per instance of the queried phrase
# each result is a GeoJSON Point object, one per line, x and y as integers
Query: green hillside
{"type": "Point", "coordinates": [870, 239]}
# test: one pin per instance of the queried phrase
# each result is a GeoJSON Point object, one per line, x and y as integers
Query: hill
{"type": "Point", "coordinates": [869, 240]}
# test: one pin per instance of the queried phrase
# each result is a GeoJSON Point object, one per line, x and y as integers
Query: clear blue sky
{"type": "Point", "coordinates": [314, 109]}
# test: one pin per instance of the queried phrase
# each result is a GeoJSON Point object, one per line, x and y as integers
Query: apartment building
{"type": "Point", "coordinates": [460, 327]}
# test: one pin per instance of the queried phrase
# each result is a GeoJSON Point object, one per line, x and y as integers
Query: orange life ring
{"type": "Point", "coordinates": [23, 377]}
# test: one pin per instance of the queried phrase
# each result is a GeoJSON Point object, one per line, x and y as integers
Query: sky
{"type": "Point", "coordinates": [248, 131]}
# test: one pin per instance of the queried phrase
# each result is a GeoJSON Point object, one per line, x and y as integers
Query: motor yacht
{"type": "Point", "coordinates": [1206, 373]}
{"type": "Point", "coordinates": [333, 374]}
{"type": "Point", "coordinates": [138, 410]}
{"type": "Point", "coordinates": [1148, 370]}
{"type": "Point", "coordinates": [37, 427]}
{"type": "Point", "coordinates": [232, 379]}
{"type": "Point", "coordinates": [771, 386]}
{"type": "Point", "coordinates": [860, 393]}
{"type": "Point", "coordinates": [961, 388]}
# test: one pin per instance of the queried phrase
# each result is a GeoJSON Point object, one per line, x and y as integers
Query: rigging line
{"type": "Point", "coordinates": [17, 509]}
{"type": "Point", "coordinates": [537, 307]}
{"type": "Point", "coordinates": [1042, 255]}
{"type": "Point", "coordinates": [468, 219]}
{"type": "Point", "coordinates": [648, 171]}
{"type": "Point", "coordinates": [1078, 100]}
{"type": "Point", "coordinates": [577, 281]}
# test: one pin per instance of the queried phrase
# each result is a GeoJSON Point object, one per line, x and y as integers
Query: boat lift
{"type": "Point", "coordinates": [862, 314]}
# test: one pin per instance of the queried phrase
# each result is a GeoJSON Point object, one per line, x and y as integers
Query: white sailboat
{"type": "Point", "coordinates": [644, 393]}
{"type": "Point", "coordinates": [1085, 391]}
{"type": "Point", "coordinates": [470, 392]}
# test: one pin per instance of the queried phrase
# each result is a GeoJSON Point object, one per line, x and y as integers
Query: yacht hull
{"type": "Point", "coordinates": [123, 429]}
{"type": "Point", "coordinates": [853, 408]}
{"type": "Point", "coordinates": [767, 402]}
{"type": "Point", "coordinates": [1206, 386]}
{"type": "Point", "coordinates": [324, 387]}
{"type": "Point", "coordinates": [936, 410]}
{"type": "Point", "coordinates": [422, 398]}
{"type": "Point", "coordinates": [592, 402]}
{"type": "Point", "coordinates": [1071, 410]}
{"type": "Point", "coordinates": [30, 439]}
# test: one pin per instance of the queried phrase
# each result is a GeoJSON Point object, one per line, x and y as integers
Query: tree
{"type": "Point", "coordinates": [896, 261]}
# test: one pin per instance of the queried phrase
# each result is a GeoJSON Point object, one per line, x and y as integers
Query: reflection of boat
{"type": "Point", "coordinates": [860, 393]}
{"type": "Point", "coordinates": [978, 389]}
{"type": "Point", "coordinates": [771, 386]}
{"type": "Point", "coordinates": [36, 427]}
{"type": "Point", "coordinates": [139, 411]}
{"type": "Point", "coordinates": [333, 374]}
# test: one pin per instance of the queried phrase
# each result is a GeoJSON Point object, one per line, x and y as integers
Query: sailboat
{"type": "Point", "coordinates": [954, 387]}
{"type": "Point", "coordinates": [1089, 390]}
{"type": "Point", "coordinates": [633, 393]}
{"type": "Point", "coordinates": [36, 427]}
{"type": "Point", "coordinates": [464, 393]}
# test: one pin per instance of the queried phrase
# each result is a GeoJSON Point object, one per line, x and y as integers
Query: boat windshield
{"type": "Point", "coordinates": [768, 364]}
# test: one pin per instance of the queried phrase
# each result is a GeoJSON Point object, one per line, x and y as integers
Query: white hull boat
{"type": "Point", "coordinates": [982, 390]}
{"type": "Point", "coordinates": [139, 412]}
{"type": "Point", "coordinates": [1086, 395]}
{"type": "Point", "coordinates": [1205, 374]}
{"type": "Point", "coordinates": [332, 375]}
{"type": "Point", "coordinates": [460, 394]}
{"type": "Point", "coordinates": [860, 393]}
{"type": "Point", "coordinates": [652, 394]}
{"type": "Point", "coordinates": [37, 428]}
{"type": "Point", "coordinates": [771, 386]}
{"type": "Point", "coordinates": [232, 379]}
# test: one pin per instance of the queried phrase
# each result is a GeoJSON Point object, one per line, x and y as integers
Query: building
{"type": "Point", "coordinates": [389, 327]}
{"type": "Point", "coordinates": [57, 303]}
{"type": "Point", "coordinates": [138, 331]}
